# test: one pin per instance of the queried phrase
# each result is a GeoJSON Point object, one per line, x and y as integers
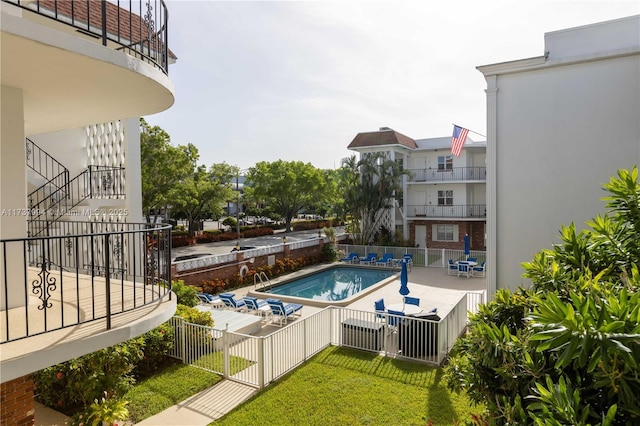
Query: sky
{"type": "Point", "coordinates": [297, 80]}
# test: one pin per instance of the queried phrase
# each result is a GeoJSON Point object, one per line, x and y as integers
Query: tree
{"type": "Point", "coordinates": [370, 187]}
{"type": "Point", "coordinates": [203, 193]}
{"type": "Point", "coordinates": [285, 186]}
{"type": "Point", "coordinates": [162, 167]}
{"type": "Point", "coordinates": [566, 350]}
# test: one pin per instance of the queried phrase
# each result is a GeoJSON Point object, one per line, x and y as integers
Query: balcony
{"type": "Point", "coordinates": [91, 286]}
{"type": "Point", "coordinates": [457, 174]}
{"type": "Point", "coordinates": [63, 55]}
{"type": "Point", "coordinates": [463, 211]}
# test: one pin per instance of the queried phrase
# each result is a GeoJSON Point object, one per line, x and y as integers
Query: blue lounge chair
{"type": "Point", "coordinates": [412, 300]}
{"type": "Point", "coordinates": [259, 307]}
{"type": "Point", "coordinates": [479, 271]}
{"type": "Point", "coordinates": [464, 268]}
{"type": "Point", "coordinates": [386, 260]}
{"type": "Point", "coordinates": [281, 312]}
{"type": "Point", "coordinates": [369, 258]}
{"type": "Point", "coordinates": [452, 268]}
{"type": "Point", "coordinates": [380, 309]}
{"type": "Point", "coordinates": [209, 299]}
{"type": "Point", "coordinates": [352, 258]}
{"type": "Point", "coordinates": [232, 303]}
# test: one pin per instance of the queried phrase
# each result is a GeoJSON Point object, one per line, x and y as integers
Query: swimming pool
{"type": "Point", "coordinates": [330, 286]}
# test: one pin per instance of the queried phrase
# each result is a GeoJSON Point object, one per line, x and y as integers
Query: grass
{"type": "Point", "coordinates": [342, 386]}
{"type": "Point", "coordinates": [166, 388]}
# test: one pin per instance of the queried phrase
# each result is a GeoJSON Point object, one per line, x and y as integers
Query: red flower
{"type": "Point", "coordinates": [60, 402]}
{"type": "Point", "coordinates": [59, 375]}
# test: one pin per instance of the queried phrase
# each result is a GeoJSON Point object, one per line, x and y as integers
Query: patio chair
{"type": "Point", "coordinates": [232, 303]}
{"type": "Point", "coordinates": [369, 258]}
{"type": "Point", "coordinates": [452, 268]}
{"type": "Point", "coordinates": [352, 258]}
{"type": "Point", "coordinates": [380, 309]}
{"type": "Point", "coordinates": [412, 300]}
{"type": "Point", "coordinates": [385, 260]}
{"type": "Point", "coordinates": [472, 259]}
{"type": "Point", "coordinates": [209, 299]}
{"type": "Point", "coordinates": [464, 269]}
{"type": "Point", "coordinates": [479, 271]}
{"type": "Point", "coordinates": [259, 307]}
{"type": "Point", "coordinates": [281, 312]}
{"type": "Point", "coordinates": [394, 319]}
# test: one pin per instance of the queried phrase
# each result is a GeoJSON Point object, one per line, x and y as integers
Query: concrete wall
{"type": "Point", "coordinates": [558, 129]}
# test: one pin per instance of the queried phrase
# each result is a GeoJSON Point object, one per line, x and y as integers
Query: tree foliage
{"type": "Point", "coordinates": [286, 186]}
{"type": "Point", "coordinates": [163, 166]}
{"type": "Point", "coordinates": [370, 187]}
{"type": "Point", "coordinates": [566, 350]}
{"type": "Point", "coordinates": [202, 193]}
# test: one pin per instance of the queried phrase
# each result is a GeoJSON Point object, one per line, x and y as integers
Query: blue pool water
{"type": "Point", "coordinates": [332, 284]}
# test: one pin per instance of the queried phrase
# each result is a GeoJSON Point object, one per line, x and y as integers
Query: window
{"type": "Point", "coordinates": [445, 162]}
{"type": "Point", "coordinates": [445, 233]}
{"type": "Point", "coordinates": [445, 198]}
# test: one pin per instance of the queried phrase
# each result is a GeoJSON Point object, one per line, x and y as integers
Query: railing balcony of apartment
{"type": "Point", "coordinates": [90, 272]}
{"type": "Point", "coordinates": [457, 174]}
{"type": "Point", "coordinates": [448, 211]}
{"type": "Point", "coordinates": [139, 27]}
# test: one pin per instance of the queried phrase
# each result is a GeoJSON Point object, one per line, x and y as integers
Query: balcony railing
{"type": "Point", "coordinates": [459, 174]}
{"type": "Point", "coordinates": [90, 271]}
{"type": "Point", "coordinates": [139, 27]}
{"type": "Point", "coordinates": [449, 211]}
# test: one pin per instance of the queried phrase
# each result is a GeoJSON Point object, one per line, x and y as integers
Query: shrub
{"type": "Point", "coordinates": [194, 316]}
{"type": "Point", "coordinates": [157, 345]}
{"type": "Point", "coordinates": [186, 294]}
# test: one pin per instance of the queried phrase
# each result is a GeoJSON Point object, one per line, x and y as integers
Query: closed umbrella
{"type": "Point", "coordinates": [404, 280]}
{"type": "Point", "coordinates": [466, 245]}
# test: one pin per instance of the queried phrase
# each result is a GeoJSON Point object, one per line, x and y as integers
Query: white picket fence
{"type": "Point", "coordinates": [259, 360]}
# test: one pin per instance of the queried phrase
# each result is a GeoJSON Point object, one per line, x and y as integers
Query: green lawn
{"type": "Point", "coordinates": [341, 386]}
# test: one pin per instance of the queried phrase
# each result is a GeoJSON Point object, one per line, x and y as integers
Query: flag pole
{"type": "Point", "coordinates": [479, 134]}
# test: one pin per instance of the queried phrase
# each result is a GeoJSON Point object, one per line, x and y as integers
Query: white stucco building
{"type": "Point", "coordinates": [444, 196]}
{"type": "Point", "coordinates": [79, 271]}
{"type": "Point", "coordinates": [558, 126]}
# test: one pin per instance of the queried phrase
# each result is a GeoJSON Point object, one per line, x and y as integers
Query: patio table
{"type": "Point", "coordinates": [407, 309]}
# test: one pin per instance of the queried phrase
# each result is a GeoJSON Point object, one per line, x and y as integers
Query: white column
{"type": "Point", "coordinates": [133, 186]}
{"type": "Point", "coordinates": [492, 176]}
{"type": "Point", "coordinates": [13, 190]}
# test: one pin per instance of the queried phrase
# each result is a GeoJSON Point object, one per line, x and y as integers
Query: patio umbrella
{"type": "Point", "coordinates": [466, 245]}
{"type": "Point", "coordinates": [404, 280]}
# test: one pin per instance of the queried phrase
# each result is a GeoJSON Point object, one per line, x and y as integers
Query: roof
{"type": "Point", "coordinates": [381, 137]}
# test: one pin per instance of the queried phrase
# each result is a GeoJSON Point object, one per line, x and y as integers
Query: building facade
{"type": "Point", "coordinates": [80, 271]}
{"type": "Point", "coordinates": [443, 197]}
{"type": "Point", "coordinates": [558, 127]}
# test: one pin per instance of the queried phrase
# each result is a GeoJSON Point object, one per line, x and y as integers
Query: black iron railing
{"type": "Point", "coordinates": [45, 165]}
{"type": "Point", "coordinates": [449, 175]}
{"type": "Point", "coordinates": [47, 204]}
{"type": "Point", "coordinates": [90, 271]}
{"type": "Point", "coordinates": [139, 27]}
{"type": "Point", "coordinates": [449, 211]}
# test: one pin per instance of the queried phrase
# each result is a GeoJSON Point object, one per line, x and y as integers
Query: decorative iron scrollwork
{"type": "Point", "coordinates": [44, 285]}
{"type": "Point", "coordinates": [117, 248]}
{"type": "Point", "coordinates": [106, 181]}
{"type": "Point", "coordinates": [149, 23]}
{"type": "Point", "coordinates": [28, 151]}
{"type": "Point", "coordinates": [68, 244]}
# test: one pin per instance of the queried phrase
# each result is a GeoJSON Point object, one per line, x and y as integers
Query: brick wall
{"type": "Point", "coordinates": [17, 406]}
{"type": "Point", "coordinates": [224, 271]}
{"type": "Point", "coordinates": [474, 229]}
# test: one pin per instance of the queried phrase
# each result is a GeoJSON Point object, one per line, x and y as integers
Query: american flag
{"type": "Point", "coordinates": [458, 139]}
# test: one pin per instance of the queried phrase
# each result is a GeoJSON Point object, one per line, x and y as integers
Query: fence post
{"type": "Point", "coordinates": [261, 362]}
{"type": "Point", "coordinates": [183, 340]}
{"type": "Point", "coordinates": [225, 344]}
